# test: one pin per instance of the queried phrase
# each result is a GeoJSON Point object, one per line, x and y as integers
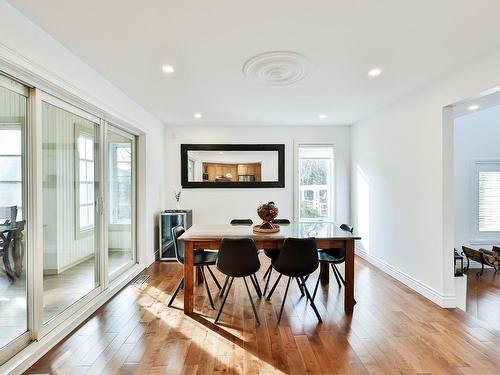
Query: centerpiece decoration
{"type": "Point", "coordinates": [267, 212]}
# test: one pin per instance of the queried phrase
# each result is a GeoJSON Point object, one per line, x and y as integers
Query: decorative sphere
{"type": "Point", "coordinates": [267, 211]}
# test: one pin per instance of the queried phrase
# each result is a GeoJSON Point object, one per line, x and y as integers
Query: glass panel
{"type": "Point", "coordinates": [315, 183]}
{"type": "Point", "coordinates": [70, 249]}
{"type": "Point", "coordinates": [13, 301]}
{"type": "Point", "coordinates": [121, 246]}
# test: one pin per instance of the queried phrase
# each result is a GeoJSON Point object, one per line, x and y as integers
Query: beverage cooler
{"type": "Point", "coordinates": [168, 220]}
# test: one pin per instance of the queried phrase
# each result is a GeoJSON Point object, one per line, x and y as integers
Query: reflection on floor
{"type": "Point", "coordinates": [393, 330]}
{"type": "Point", "coordinates": [60, 292]}
{"type": "Point", "coordinates": [483, 296]}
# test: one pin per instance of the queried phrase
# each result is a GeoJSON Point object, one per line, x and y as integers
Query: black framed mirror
{"type": "Point", "coordinates": [232, 166]}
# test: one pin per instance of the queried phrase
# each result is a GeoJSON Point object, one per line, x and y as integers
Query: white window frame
{"type": "Point", "coordinates": [81, 131]}
{"type": "Point", "coordinates": [481, 237]}
{"type": "Point", "coordinates": [332, 193]}
{"type": "Point", "coordinates": [114, 173]}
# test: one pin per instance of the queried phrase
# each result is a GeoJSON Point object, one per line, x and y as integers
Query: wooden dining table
{"type": "Point", "coordinates": [327, 235]}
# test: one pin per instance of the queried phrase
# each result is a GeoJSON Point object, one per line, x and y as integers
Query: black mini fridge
{"type": "Point", "coordinates": [168, 220]}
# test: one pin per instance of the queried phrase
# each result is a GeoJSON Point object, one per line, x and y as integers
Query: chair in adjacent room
{"type": "Point", "coordinates": [333, 257]}
{"type": "Point", "coordinates": [297, 259]}
{"type": "Point", "coordinates": [229, 262]}
{"type": "Point", "coordinates": [201, 259]}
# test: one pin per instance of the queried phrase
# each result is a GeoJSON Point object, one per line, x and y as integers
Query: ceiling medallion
{"type": "Point", "coordinates": [277, 68]}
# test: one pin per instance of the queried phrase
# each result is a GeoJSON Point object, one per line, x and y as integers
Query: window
{"type": "Point", "coordinates": [85, 181]}
{"type": "Point", "coordinates": [11, 184]}
{"type": "Point", "coordinates": [121, 183]}
{"type": "Point", "coordinates": [487, 196]}
{"type": "Point", "coordinates": [315, 183]}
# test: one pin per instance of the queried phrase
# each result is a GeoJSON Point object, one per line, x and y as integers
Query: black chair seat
{"type": "Point", "coordinates": [206, 258]}
{"type": "Point", "coordinates": [332, 256]}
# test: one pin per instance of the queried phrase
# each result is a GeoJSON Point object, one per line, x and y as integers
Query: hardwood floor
{"type": "Point", "coordinates": [483, 296]}
{"type": "Point", "coordinates": [393, 331]}
{"type": "Point", "coordinates": [60, 291]}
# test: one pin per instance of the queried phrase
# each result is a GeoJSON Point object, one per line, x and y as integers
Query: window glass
{"type": "Point", "coordinates": [315, 183]}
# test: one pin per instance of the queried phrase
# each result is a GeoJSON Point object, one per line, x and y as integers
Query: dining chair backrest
{"type": "Point", "coordinates": [8, 216]}
{"type": "Point", "coordinates": [178, 245]}
{"type": "Point", "coordinates": [241, 222]}
{"type": "Point", "coordinates": [238, 257]}
{"type": "Point", "coordinates": [298, 257]}
{"type": "Point", "coordinates": [347, 228]}
{"type": "Point", "coordinates": [281, 221]}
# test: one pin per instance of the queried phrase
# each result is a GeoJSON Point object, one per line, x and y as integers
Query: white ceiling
{"type": "Point", "coordinates": [209, 41]}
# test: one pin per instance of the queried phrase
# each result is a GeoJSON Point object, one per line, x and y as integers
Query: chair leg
{"type": "Point", "coordinates": [312, 301]}
{"type": "Point", "coordinates": [268, 278]}
{"type": "Point", "coordinates": [224, 300]}
{"type": "Point", "coordinates": [256, 285]}
{"type": "Point", "coordinates": [224, 287]}
{"type": "Point", "coordinates": [269, 269]}
{"type": "Point", "coordinates": [300, 287]}
{"type": "Point", "coordinates": [336, 277]}
{"type": "Point", "coordinates": [480, 273]}
{"type": "Point", "coordinates": [208, 289]}
{"type": "Point", "coordinates": [338, 273]}
{"type": "Point", "coordinates": [179, 286]}
{"type": "Point", "coordinates": [284, 298]}
{"type": "Point", "coordinates": [317, 284]}
{"type": "Point", "coordinates": [251, 301]}
{"type": "Point", "coordinates": [213, 277]}
{"type": "Point", "coordinates": [274, 287]}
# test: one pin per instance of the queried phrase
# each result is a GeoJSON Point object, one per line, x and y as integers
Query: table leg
{"type": "Point", "coordinates": [188, 277]}
{"type": "Point", "coordinates": [325, 273]}
{"type": "Point", "coordinates": [349, 277]}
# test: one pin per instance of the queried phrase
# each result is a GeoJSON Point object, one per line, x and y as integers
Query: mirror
{"type": "Point", "coordinates": [226, 165]}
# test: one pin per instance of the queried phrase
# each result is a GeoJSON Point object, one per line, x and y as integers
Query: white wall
{"type": "Point", "coordinates": [221, 205]}
{"type": "Point", "coordinates": [476, 138]}
{"type": "Point", "coordinates": [405, 154]}
{"type": "Point", "coordinates": [27, 47]}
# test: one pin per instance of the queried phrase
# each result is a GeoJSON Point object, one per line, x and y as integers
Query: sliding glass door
{"type": "Point", "coordinates": [70, 174]}
{"type": "Point", "coordinates": [121, 201]}
{"type": "Point", "coordinates": [67, 212]}
{"type": "Point", "coordinates": [14, 324]}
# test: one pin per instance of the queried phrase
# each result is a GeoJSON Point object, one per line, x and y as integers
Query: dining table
{"type": "Point", "coordinates": [327, 236]}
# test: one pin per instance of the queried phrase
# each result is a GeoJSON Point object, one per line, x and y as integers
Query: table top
{"type": "Point", "coordinates": [319, 230]}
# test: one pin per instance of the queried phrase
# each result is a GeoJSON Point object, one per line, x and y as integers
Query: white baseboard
{"type": "Point", "coordinates": [446, 301]}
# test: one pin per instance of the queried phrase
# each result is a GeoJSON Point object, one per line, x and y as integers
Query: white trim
{"type": "Point", "coordinates": [27, 357]}
{"type": "Point", "coordinates": [443, 300]}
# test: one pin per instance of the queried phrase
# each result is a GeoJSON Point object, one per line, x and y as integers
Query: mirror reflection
{"type": "Point", "coordinates": [232, 166]}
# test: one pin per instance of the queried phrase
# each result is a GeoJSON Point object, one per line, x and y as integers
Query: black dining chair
{"type": "Point", "coordinates": [272, 254]}
{"type": "Point", "coordinates": [241, 222]}
{"type": "Point", "coordinates": [297, 259]}
{"type": "Point", "coordinates": [333, 257]}
{"type": "Point", "coordinates": [201, 259]}
{"type": "Point", "coordinates": [253, 278]}
{"type": "Point", "coordinates": [8, 217]}
{"type": "Point", "coordinates": [238, 258]}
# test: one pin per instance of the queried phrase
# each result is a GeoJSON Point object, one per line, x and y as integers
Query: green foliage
{"type": "Point", "coordinates": [313, 172]}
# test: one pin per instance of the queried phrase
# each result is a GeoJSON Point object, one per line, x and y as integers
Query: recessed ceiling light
{"type": "Point", "coordinates": [375, 72]}
{"type": "Point", "coordinates": [169, 69]}
{"type": "Point", "coordinates": [197, 115]}
{"type": "Point", "coordinates": [322, 116]}
{"type": "Point", "coordinates": [473, 107]}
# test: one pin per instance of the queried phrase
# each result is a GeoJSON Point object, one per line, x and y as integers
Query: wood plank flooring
{"type": "Point", "coordinates": [393, 331]}
{"type": "Point", "coordinates": [483, 296]}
